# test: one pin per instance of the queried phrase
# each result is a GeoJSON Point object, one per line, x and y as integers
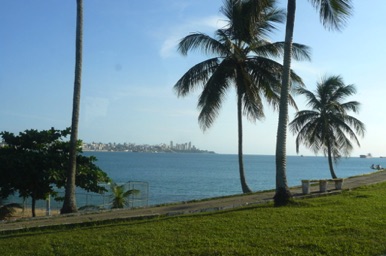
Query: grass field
{"type": "Point", "coordinates": [351, 223]}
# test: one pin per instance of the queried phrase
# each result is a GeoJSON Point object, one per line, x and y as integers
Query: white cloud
{"type": "Point", "coordinates": [205, 25]}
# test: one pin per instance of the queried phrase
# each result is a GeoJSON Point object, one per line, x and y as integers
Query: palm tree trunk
{"type": "Point", "coordinates": [282, 194]}
{"type": "Point", "coordinates": [244, 185]}
{"type": "Point", "coordinates": [69, 204]}
{"type": "Point", "coordinates": [330, 164]}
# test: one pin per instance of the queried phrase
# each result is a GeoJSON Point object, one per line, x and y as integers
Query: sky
{"type": "Point", "coordinates": [131, 63]}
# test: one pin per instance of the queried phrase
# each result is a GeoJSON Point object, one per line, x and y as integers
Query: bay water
{"type": "Point", "coordinates": [177, 177]}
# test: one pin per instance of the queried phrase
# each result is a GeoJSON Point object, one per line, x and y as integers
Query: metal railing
{"type": "Point", "coordinates": [86, 201]}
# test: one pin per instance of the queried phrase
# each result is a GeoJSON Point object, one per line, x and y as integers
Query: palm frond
{"type": "Point", "coordinates": [333, 13]}
{"type": "Point", "coordinates": [197, 75]}
{"type": "Point", "coordinates": [248, 20]}
{"type": "Point", "coordinates": [312, 100]}
{"type": "Point", "coordinates": [342, 91]}
{"type": "Point", "coordinates": [6, 210]}
{"type": "Point", "coordinates": [131, 192]}
{"type": "Point", "coordinates": [302, 118]}
{"type": "Point", "coordinates": [353, 106]}
{"type": "Point", "coordinates": [243, 57]}
{"type": "Point", "coordinates": [328, 125]}
{"type": "Point", "coordinates": [214, 91]}
{"type": "Point", "coordinates": [350, 126]}
{"type": "Point", "coordinates": [265, 74]}
{"type": "Point", "coordinates": [300, 52]}
{"type": "Point", "coordinates": [203, 42]}
{"type": "Point", "coordinates": [253, 108]}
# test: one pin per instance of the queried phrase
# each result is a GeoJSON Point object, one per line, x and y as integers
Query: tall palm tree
{"type": "Point", "coordinates": [327, 126]}
{"type": "Point", "coordinates": [333, 15]}
{"type": "Point", "coordinates": [69, 204]}
{"type": "Point", "coordinates": [242, 58]}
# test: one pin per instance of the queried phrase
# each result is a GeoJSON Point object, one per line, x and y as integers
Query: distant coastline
{"type": "Point", "coordinates": [134, 148]}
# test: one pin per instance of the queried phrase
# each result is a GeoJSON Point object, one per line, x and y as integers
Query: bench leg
{"type": "Point", "coordinates": [323, 185]}
{"type": "Point", "coordinates": [306, 187]}
{"type": "Point", "coordinates": [339, 184]}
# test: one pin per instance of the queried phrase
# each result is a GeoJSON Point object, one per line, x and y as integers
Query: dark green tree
{"type": "Point", "coordinates": [28, 163]}
{"type": "Point", "coordinates": [333, 14]}
{"type": "Point", "coordinates": [69, 204]}
{"type": "Point", "coordinates": [242, 58]}
{"type": "Point", "coordinates": [34, 164]}
{"type": "Point", "coordinates": [327, 126]}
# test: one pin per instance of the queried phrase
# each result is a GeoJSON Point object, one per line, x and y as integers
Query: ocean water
{"type": "Point", "coordinates": [176, 177]}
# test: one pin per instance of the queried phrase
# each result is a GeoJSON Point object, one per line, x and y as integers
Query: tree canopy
{"type": "Point", "coordinates": [34, 164]}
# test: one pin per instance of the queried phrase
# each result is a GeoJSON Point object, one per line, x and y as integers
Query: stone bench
{"type": "Point", "coordinates": [306, 185]}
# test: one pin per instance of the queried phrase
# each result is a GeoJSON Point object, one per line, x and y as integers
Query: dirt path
{"type": "Point", "coordinates": [184, 208]}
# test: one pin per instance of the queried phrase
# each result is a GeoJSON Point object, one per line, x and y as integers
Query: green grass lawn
{"type": "Point", "coordinates": [351, 223]}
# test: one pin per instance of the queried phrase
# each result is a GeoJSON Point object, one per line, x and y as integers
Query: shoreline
{"type": "Point", "coordinates": [26, 213]}
{"type": "Point", "coordinates": [207, 205]}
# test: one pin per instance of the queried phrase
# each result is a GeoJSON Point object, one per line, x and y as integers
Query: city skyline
{"type": "Point", "coordinates": [133, 147]}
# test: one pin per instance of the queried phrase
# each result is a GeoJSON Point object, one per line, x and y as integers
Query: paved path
{"type": "Point", "coordinates": [184, 208]}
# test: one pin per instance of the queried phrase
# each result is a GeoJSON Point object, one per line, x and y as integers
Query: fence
{"type": "Point", "coordinates": [86, 201]}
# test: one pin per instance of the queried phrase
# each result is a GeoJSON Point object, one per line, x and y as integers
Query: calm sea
{"type": "Point", "coordinates": [175, 177]}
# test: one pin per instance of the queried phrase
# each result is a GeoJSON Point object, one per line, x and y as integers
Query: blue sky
{"type": "Point", "coordinates": [130, 65]}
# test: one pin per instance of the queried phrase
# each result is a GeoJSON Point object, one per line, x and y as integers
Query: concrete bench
{"type": "Point", "coordinates": [306, 185]}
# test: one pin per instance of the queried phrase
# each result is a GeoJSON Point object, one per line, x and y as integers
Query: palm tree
{"type": "Point", "coordinates": [327, 126]}
{"type": "Point", "coordinates": [120, 196]}
{"type": "Point", "coordinates": [333, 15]}
{"type": "Point", "coordinates": [69, 204]}
{"type": "Point", "coordinates": [242, 58]}
{"type": "Point", "coordinates": [7, 209]}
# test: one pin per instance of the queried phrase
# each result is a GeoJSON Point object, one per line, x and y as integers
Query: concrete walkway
{"type": "Point", "coordinates": [184, 208]}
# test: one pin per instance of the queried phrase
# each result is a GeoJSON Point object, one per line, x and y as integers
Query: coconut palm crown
{"type": "Point", "coordinates": [241, 58]}
{"type": "Point", "coordinates": [120, 196]}
{"type": "Point", "coordinates": [328, 126]}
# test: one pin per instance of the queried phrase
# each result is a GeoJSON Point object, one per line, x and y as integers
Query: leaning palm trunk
{"type": "Point", "coordinates": [244, 185]}
{"type": "Point", "coordinates": [330, 164]}
{"type": "Point", "coordinates": [69, 204]}
{"type": "Point", "coordinates": [283, 195]}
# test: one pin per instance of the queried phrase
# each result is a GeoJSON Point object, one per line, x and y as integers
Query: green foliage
{"type": "Point", "coordinates": [35, 162]}
{"type": "Point", "coordinates": [352, 223]}
{"type": "Point", "coordinates": [327, 126]}
{"type": "Point", "coordinates": [7, 210]}
{"type": "Point", "coordinates": [120, 196]}
{"type": "Point", "coordinates": [241, 57]}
